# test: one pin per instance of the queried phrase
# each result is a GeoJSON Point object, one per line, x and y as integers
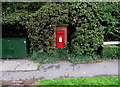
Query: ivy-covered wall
{"type": "Point", "coordinates": [41, 26]}
{"type": "Point", "coordinates": [89, 24]}
{"type": "Point", "coordinates": [88, 36]}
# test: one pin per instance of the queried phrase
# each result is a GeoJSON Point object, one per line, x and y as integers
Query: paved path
{"type": "Point", "coordinates": [17, 65]}
{"type": "Point", "coordinates": [26, 70]}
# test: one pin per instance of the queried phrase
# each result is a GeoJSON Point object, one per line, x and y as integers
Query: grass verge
{"type": "Point", "coordinates": [108, 80]}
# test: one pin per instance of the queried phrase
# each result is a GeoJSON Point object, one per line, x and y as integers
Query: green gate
{"type": "Point", "coordinates": [14, 48]}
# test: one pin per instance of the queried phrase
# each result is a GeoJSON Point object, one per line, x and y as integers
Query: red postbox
{"type": "Point", "coordinates": [60, 39]}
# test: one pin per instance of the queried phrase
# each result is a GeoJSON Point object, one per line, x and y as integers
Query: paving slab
{"type": "Point", "coordinates": [17, 65]}
{"type": "Point", "coordinates": [1, 62]}
{"type": "Point", "coordinates": [27, 66]}
{"type": "Point", "coordinates": [8, 65]}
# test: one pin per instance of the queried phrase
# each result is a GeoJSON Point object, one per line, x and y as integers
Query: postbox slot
{"type": "Point", "coordinates": [60, 33]}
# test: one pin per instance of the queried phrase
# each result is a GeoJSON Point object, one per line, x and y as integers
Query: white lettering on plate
{"type": "Point", "coordinates": [60, 39]}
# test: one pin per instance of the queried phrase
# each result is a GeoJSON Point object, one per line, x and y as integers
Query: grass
{"type": "Point", "coordinates": [80, 59]}
{"type": "Point", "coordinates": [43, 57]}
{"type": "Point", "coordinates": [62, 54]}
{"type": "Point", "coordinates": [110, 52]}
{"type": "Point", "coordinates": [108, 80]}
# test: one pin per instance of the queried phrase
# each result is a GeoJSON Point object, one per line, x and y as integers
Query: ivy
{"type": "Point", "coordinates": [88, 35]}
{"type": "Point", "coordinates": [93, 22]}
{"type": "Point", "coordinates": [40, 26]}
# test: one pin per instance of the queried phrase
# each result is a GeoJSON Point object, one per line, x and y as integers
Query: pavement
{"type": "Point", "coordinates": [17, 65]}
{"type": "Point", "coordinates": [21, 70]}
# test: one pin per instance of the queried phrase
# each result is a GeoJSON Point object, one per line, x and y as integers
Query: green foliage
{"type": "Point", "coordinates": [108, 15]}
{"type": "Point", "coordinates": [94, 23]}
{"type": "Point", "coordinates": [111, 81]}
{"type": "Point", "coordinates": [61, 52]}
{"type": "Point", "coordinates": [38, 66]}
{"type": "Point", "coordinates": [11, 17]}
{"type": "Point", "coordinates": [86, 41]}
{"type": "Point", "coordinates": [40, 26]}
{"type": "Point", "coordinates": [82, 58]}
{"type": "Point", "coordinates": [88, 35]}
{"type": "Point", "coordinates": [110, 51]}
{"type": "Point", "coordinates": [79, 59]}
{"type": "Point", "coordinates": [43, 57]}
{"type": "Point", "coordinates": [11, 7]}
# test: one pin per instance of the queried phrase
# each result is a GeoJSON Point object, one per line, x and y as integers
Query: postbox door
{"type": "Point", "coordinates": [60, 39]}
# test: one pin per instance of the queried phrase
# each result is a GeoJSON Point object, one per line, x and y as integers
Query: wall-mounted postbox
{"type": "Point", "coordinates": [60, 39]}
{"type": "Point", "coordinates": [61, 36]}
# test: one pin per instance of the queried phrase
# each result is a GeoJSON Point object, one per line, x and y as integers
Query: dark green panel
{"type": "Point", "coordinates": [14, 48]}
{"type": "Point", "coordinates": [7, 48]}
{"type": "Point", "coordinates": [20, 49]}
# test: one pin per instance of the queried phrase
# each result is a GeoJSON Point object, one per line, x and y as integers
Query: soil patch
{"type": "Point", "coordinates": [19, 83]}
